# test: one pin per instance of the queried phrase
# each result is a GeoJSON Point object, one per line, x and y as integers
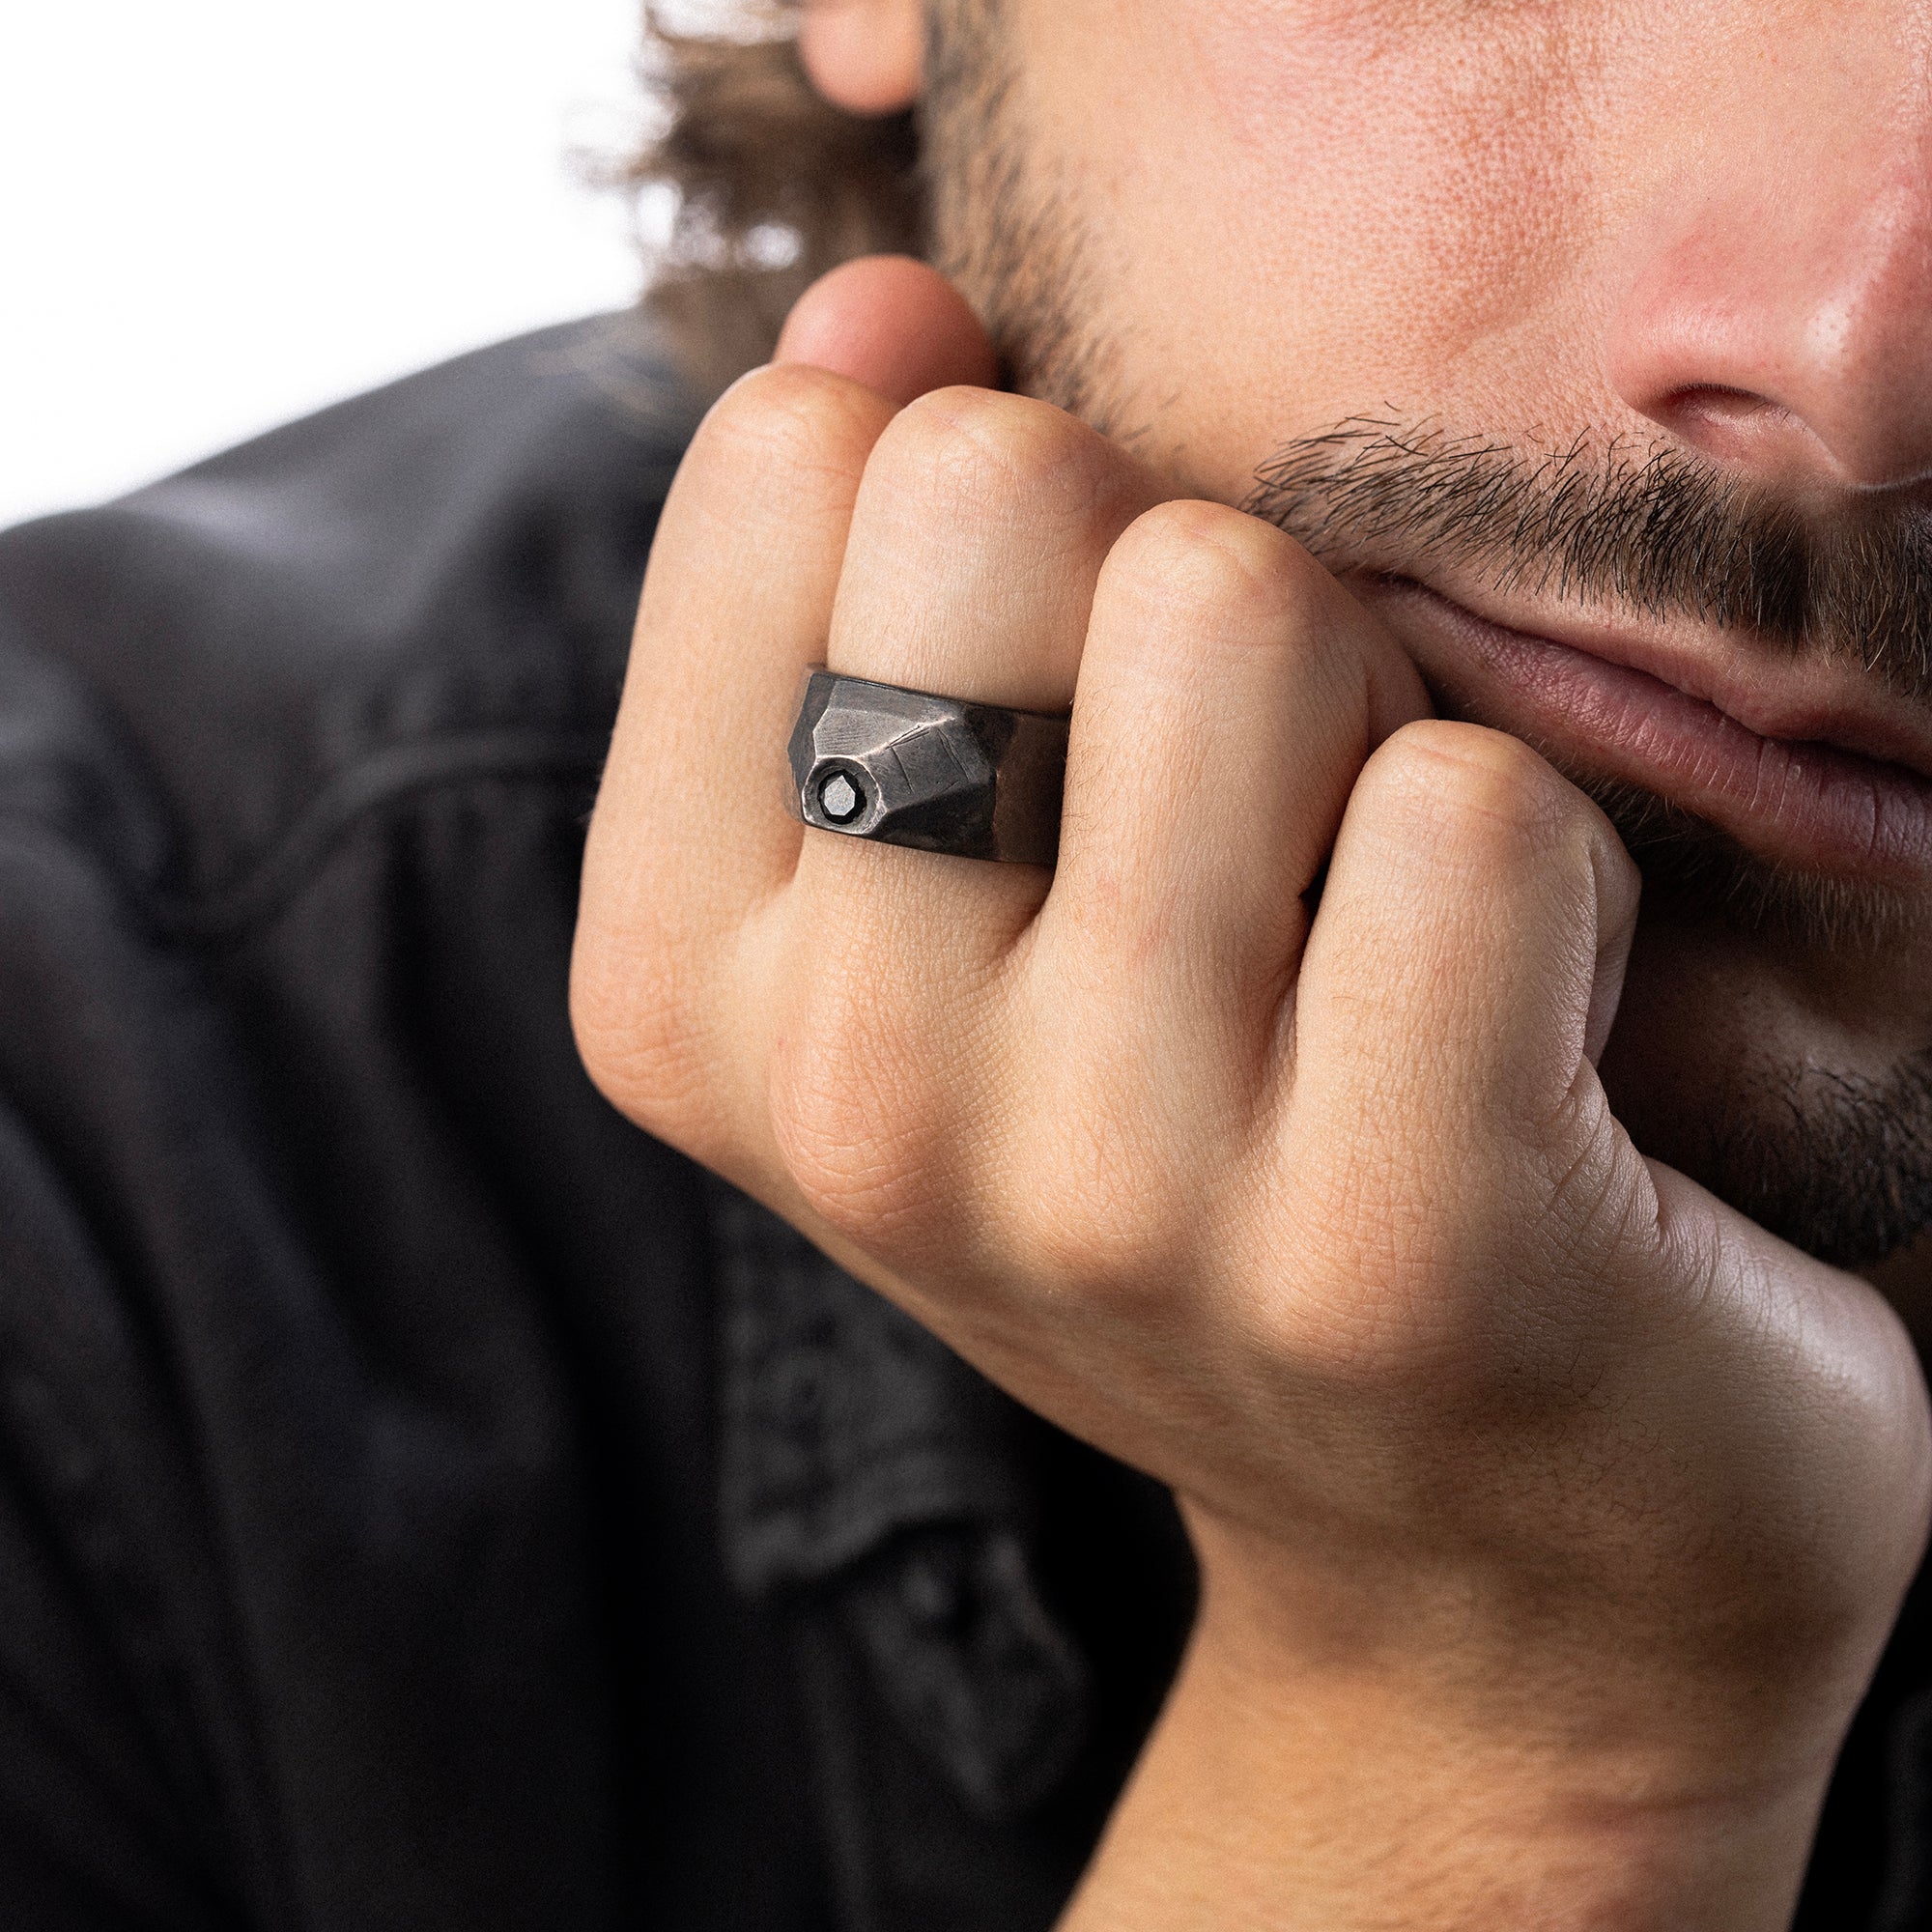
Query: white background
{"type": "Point", "coordinates": [215, 214]}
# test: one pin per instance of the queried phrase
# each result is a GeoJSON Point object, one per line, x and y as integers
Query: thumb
{"type": "Point", "coordinates": [892, 323]}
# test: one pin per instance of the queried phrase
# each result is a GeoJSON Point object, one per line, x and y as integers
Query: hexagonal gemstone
{"type": "Point", "coordinates": [839, 798]}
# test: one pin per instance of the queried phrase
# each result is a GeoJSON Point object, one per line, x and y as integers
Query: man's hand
{"type": "Point", "coordinates": [1551, 1514]}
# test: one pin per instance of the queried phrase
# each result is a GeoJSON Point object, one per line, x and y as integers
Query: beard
{"type": "Point", "coordinates": [1836, 1161]}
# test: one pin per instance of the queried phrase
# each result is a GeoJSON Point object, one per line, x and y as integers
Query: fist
{"type": "Point", "coordinates": [1261, 1143]}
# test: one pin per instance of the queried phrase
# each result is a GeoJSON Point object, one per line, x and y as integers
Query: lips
{"type": "Point", "coordinates": [1819, 779]}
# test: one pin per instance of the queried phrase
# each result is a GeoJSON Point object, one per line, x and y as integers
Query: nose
{"type": "Point", "coordinates": [1782, 321]}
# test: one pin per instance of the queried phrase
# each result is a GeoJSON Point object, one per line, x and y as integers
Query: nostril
{"type": "Point", "coordinates": [1716, 403]}
{"type": "Point", "coordinates": [1729, 424]}
{"type": "Point", "coordinates": [1712, 405]}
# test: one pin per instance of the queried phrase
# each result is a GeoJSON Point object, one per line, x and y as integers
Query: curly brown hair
{"type": "Point", "coordinates": [773, 185]}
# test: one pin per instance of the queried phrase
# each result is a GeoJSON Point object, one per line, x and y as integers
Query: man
{"type": "Point", "coordinates": [1465, 471]}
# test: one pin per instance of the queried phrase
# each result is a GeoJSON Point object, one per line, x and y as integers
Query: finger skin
{"type": "Point", "coordinates": [977, 537]}
{"type": "Point", "coordinates": [1230, 693]}
{"type": "Point", "coordinates": [892, 323]}
{"type": "Point", "coordinates": [691, 834]}
{"type": "Point", "coordinates": [1444, 1109]}
{"type": "Point", "coordinates": [979, 533]}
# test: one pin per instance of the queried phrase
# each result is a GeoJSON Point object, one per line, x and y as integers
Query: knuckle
{"type": "Point", "coordinates": [789, 420]}
{"type": "Point", "coordinates": [632, 1021]}
{"type": "Point", "coordinates": [1203, 564]}
{"type": "Point", "coordinates": [1487, 798]}
{"type": "Point", "coordinates": [1097, 1243]}
{"type": "Point", "coordinates": [855, 1132]}
{"type": "Point", "coordinates": [998, 457]}
{"type": "Point", "coordinates": [849, 1174]}
{"type": "Point", "coordinates": [1103, 1216]}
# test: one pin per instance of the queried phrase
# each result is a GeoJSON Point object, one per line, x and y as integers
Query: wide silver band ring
{"type": "Point", "coordinates": [910, 768]}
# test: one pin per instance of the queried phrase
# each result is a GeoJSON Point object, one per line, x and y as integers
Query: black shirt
{"type": "Point", "coordinates": [425, 1501]}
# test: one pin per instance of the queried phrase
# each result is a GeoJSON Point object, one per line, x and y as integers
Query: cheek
{"type": "Point", "coordinates": [1334, 206]}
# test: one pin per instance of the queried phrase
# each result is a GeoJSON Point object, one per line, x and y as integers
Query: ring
{"type": "Point", "coordinates": [910, 768]}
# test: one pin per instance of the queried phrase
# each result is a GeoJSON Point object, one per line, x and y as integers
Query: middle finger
{"type": "Point", "coordinates": [978, 536]}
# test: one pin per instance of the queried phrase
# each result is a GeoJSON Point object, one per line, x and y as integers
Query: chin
{"type": "Point", "coordinates": [1783, 1079]}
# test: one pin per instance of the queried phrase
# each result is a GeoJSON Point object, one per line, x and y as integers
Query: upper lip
{"type": "Point", "coordinates": [1785, 697]}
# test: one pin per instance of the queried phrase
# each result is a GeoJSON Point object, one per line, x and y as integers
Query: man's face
{"type": "Point", "coordinates": [1592, 345]}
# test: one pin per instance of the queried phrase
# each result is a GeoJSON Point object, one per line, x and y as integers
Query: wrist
{"type": "Point", "coordinates": [1323, 1802]}
{"type": "Point", "coordinates": [1311, 1775]}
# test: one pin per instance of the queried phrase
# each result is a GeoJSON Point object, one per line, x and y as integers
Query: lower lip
{"type": "Point", "coordinates": [1804, 805]}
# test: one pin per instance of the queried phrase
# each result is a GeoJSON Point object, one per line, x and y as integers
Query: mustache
{"type": "Point", "coordinates": [1655, 530]}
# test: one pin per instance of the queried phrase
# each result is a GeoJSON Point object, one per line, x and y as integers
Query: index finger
{"type": "Point", "coordinates": [690, 832]}
{"type": "Point", "coordinates": [736, 603]}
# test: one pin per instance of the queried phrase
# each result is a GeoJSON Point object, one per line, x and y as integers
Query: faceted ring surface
{"type": "Point", "coordinates": [910, 768]}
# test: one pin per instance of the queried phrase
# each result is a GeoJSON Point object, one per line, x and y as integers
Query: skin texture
{"type": "Point", "coordinates": [1550, 1512]}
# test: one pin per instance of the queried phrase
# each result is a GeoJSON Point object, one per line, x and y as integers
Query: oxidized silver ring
{"type": "Point", "coordinates": [908, 768]}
